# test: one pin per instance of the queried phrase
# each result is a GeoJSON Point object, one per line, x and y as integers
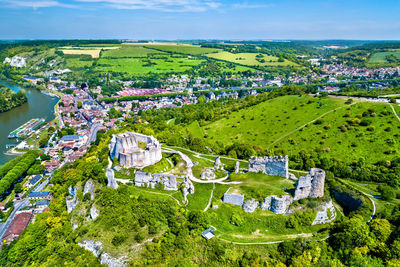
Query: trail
{"type": "Point", "coordinates": [394, 111]}
{"type": "Point", "coordinates": [158, 193]}
{"type": "Point", "coordinates": [304, 125]}
{"type": "Point", "coordinates": [210, 200]}
{"type": "Point", "coordinates": [169, 121]}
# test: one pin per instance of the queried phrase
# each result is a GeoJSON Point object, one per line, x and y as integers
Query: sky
{"type": "Point", "coordinates": [200, 19]}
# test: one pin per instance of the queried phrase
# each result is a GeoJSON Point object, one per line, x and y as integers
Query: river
{"type": "Point", "coordinates": [38, 106]}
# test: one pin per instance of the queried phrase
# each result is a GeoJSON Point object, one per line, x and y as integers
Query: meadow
{"type": "Point", "coordinates": [380, 57]}
{"type": "Point", "coordinates": [292, 124]}
{"type": "Point", "coordinates": [259, 186]}
{"type": "Point", "coordinates": [250, 59]}
{"type": "Point", "coordinates": [264, 123]}
{"type": "Point", "coordinates": [94, 52]}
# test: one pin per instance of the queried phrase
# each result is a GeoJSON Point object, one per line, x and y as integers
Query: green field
{"type": "Point", "coordinates": [293, 123]}
{"type": "Point", "coordinates": [143, 66]}
{"type": "Point", "coordinates": [259, 186]}
{"type": "Point", "coordinates": [130, 51]}
{"type": "Point", "coordinates": [266, 122]}
{"type": "Point", "coordinates": [380, 57]}
{"type": "Point", "coordinates": [77, 63]}
{"type": "Point", "coordinates": [249, 59]}
{"type": "Point", "coordinates": [184, 49]}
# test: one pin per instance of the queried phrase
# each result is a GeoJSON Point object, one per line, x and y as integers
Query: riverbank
{"type": "Point", "coordinates": [39, 105]}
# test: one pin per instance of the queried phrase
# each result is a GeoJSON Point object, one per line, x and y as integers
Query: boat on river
{"type": "Point", "coordinates": [26, 128]}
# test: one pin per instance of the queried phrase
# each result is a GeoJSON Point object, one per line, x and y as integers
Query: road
{"type": "Point", "coordinates": [17, 206]}
{"type": "Point", "coordinates": [41, 186]}
{"type": "Point", "coordinates": [93, 133]}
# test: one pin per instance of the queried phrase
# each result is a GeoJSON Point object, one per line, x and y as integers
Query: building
{"type": "Point", "coordinates": [233, 198]}
{"type": "Point", "coordinates": [32, 182]}
{"type": "Point", "coordinates": [135, 150]}
{"type": "Point", "coordinates": [40, 195]}
{"type": "Point", "coordinates": [208, 234]}
{"type": "Point", "coordinates": [17, 226]}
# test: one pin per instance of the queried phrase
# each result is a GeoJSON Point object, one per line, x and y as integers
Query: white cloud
{"type": "Point", "coordinates": [247, 5]}
{"type": "Point", "coordinates": [160, 5]}
{"type": "Point", "coordinates": [36, 4]}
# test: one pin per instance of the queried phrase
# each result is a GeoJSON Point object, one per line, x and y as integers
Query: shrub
{"type": "Point", "coordinates": [371, 128]}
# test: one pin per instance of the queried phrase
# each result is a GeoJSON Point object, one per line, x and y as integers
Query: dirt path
{"type": "Point", "coordinates": [158, 193]}
{"type": "Point", "coordinates": [304, 125]}
{"type": "Point", "coordinates": [394, 111]}
{"type": "Point", "coordinates": [210, 200]}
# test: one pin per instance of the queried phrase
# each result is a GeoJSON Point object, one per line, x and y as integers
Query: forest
{"type": "Point", "coordinates": [10, 100]}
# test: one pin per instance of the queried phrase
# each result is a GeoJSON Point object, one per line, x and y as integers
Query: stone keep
{"type": "Point", "coordinates": [277, 166]}
{"type": "Point", "coordinates": [310, 185]}
{"type": "Point", "coordinates": [126, 147]}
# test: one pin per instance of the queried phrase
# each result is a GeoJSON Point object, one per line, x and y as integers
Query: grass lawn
{"type": "Point", "coordinates": [264, 123]}
{"type": "Point", "coordinates": [144, 66]}
{"type": "Point", "coordinates": [201, 196]}
{"type": "Point", "coordinates": [195, 129]}
{"type": "Point", "coordinates": [249, 59]}
{"type": "Point", "coordinates": [128, 51]}
{"type": "Point", "coordinates": [77, 63]}
{"type": "Point", "coordinates": [259, 226]}
{"type": "Point", "coordinates": [259, 186]}
{"type": "Point", "coordinates": [380, 57]}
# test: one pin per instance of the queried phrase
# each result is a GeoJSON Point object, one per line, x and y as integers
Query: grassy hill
{"type": "Point", "coordinates": [293, 123]}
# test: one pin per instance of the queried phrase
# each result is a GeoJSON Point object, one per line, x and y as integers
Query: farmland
{"type": "Point", "coordinates": [144, 66]}
{"type": "Point", "coordinates": [130, 51]}
{"type": "Point", "coordinates": [94, 52]}
{"type": "Point", "coordinates": [250, 59]}
{"type": "Point", "coordinates": [292, 124]}
{"type": "Point", "coordinates": [184, 49]}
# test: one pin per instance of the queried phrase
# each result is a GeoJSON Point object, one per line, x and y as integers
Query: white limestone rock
{"type": "Point", "coordinates": [112, 183]}
{"type": "Point", "coordinates": [89, 188]}
{"type": "Point", "coordinates": [322, 215]}
{"type": "Point", "coordinates": [94, 213]}
{"type": "Point", "coordinates": [96, 247]}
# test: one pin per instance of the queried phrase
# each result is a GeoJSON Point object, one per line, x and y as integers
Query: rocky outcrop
{"type": "Point", "coordinates": [89, 188]}
{"type": "Point", "coordinates": [323, 216]}
{"type": "Point", "coordinates": [250, 205]}
{"type": "Point", "coordinates": [96, 247]}
{"type": "Point", "coordinates": [71, 201]}
{"type": "Point", "coordinates": [218, 164]}
{"type": "Point", "coordinates": [112, 183]}
{"type": "Point", "coordinates": [94, 213]}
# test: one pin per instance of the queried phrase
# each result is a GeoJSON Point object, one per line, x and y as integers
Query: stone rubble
{"type": "Point", "coordinates": [250, 205]}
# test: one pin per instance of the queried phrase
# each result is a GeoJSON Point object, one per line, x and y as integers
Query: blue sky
{"type": "Point", "coordinates": [200, 19]}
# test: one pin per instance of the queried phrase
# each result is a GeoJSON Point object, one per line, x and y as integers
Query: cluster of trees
{"type": "Point", "coordinates": [22, 165]}
{"type": "Point", "coordinates": [9, 99]}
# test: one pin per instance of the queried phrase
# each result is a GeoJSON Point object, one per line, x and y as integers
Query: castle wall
{"type": "Point", "coordinates": [277, 166]}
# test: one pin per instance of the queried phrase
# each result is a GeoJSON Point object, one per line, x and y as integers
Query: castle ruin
{"type": "Point", "coordinates": [277, 165]}
{"type": "Point", "coordinates": [310, 185]}
{"type": "Point", "coordinates": [135, 150]}
{"type": "Point", "coordinates": [276, 204]}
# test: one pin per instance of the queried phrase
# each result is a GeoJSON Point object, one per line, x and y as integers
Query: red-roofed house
{"type": "Point", "coordinates": [17, 226]}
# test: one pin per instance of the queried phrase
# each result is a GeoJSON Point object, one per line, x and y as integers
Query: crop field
{"type": "Point", "coordinates": [259, 186]}
{"type": "Point", "coordinates": [130, 51]}
{"type": "Point", "coordinates": [293, 123]}
{"type": "Point", "coordinates": [77, 63]}
{"type": "Point", "coordinates": [380, 57]}
{"type": "Point", "coordinates": [94, 52]}
{"type": "Point", "coordinates": [250, 59]}
{"type": "Point", "coordinates": [264, 123]}
{"type": "Point", "coordinates": [144, 66]}
{"type": "Point", "coordinates": [184, 49]}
